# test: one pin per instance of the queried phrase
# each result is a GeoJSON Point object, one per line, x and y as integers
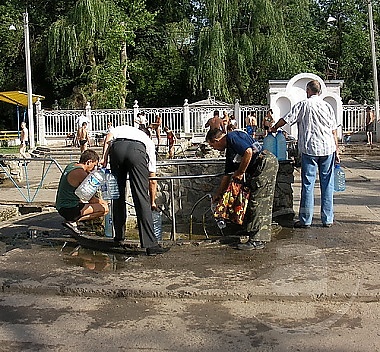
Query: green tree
{"type": "Point", "coordinates": [87, 49]}
{"type": "Point", "coordinates": [161, 55]}
{"type": "Point", "coordinates": [349, 46]}
{"type": "Point", "coordinates": [241, 45]}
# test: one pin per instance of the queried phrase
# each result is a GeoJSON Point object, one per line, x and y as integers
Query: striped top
{"type": "Point", "coordinates": [316, 120]}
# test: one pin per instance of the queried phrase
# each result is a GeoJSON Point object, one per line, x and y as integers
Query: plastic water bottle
{"type": "Point", "coordinates": [113, 188]}
{"type": "Point", "coordinates": [269, 144]}
{"type": "Point", "coordinates": [87, 189]}
{"type": "Point", "coordinates": [109, 189]}
{"type": "Point", "coordinates": [157, 224]}
{"type": "Point", "coordinates": [257, 148]}
{"type": "Point", "coordinates": [339, 179]}
{"type": "Point", "coordinates": [221, 223]}
{"type": "Point", "coordinates": [104, 188]}
{"type": "Point", "coordinates": [281, 146]}
{"type": "Point", "coordinates": [108, 224]}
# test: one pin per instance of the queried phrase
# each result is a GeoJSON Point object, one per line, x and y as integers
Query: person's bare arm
{"type": "Point", "coordinates": [76, 177]}
{"type": "Point", "coordinates": [337, 157]}
{"type": "Point", "coordinates": [106, 148]}
{"type": "Point", "coordinates": [281, 122]}
{"type": "Point", "coordinates": [222, 187]}
{"type": "Point", "coordinates": [245, 160]}
{"type": "Point", "coordinates": [153, 191]}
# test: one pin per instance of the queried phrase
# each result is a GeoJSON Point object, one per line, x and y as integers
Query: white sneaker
{"type": "Point", "coordinates": [72, 225]}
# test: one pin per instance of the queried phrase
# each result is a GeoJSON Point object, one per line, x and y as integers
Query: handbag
{"type": "Point", "coordinates": [233, 203]}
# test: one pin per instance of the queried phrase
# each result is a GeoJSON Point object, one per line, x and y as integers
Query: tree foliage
{"type": "Point", "coordinates": [111, 52]}
{"type": "Point", "coordinates": [87, 45]}
{"type": "Point", "coordinates": [240, 46]}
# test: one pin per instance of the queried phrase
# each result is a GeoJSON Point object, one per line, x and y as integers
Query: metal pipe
{"type": "Point", "coordinates": [29, 88]}
{"type": "Point", "coordinates": [374, 64]}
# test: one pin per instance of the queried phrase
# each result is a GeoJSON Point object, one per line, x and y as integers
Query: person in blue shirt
{"type": "Point", "coordinates": [245, 158]}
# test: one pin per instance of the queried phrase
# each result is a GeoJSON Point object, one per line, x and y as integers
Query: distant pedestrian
{"type": "Point", "coordinates": [171, 139]}
{"type": "Point", "coordinates": [233, 124]}
{"type": "Point", "coordinates": [83, 137]}
{"type": "Point", "coordinates": [251, 124]}
{"type": "Point", "coordinates": [141, 120]}
{"type": "Point", "coordinates": [369, 122]}
{"type": "Point", "coordinates": [24, 139]}
{"type": "Point", "coordinates": [268, 121]}
{"type": "Point", "coordinates": [226, 121]}
{"type": "Point", "coordinates": [156, 126]}
{"type": "Point", "coordinates": [215, 122]}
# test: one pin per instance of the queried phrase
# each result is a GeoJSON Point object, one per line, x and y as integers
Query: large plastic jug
{"type": "Point", "coordinates": [339, 179]}
{"type": "Point", "coordinates": [157, 224]}
{"type": "Point", "coordinates": [87, 189]}
{"type": "Point", "coordinates": [109, 188]}
{"type": "Point", "coordinates": [269, 143]}
{"type": "Point", "coordinates": [108, 222]}
{"type": "Point", "coordinates": [281, 146]}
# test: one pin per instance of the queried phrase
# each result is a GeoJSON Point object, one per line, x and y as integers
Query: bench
{"type": "Point", "coordinates": [6, 136]}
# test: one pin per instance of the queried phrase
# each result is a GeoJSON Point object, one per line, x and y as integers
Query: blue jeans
{"type": "Point", "coordinates": [309, 166]}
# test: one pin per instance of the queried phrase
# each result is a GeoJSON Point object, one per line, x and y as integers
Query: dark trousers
{"type": "Point", "coordinates": [129, 157]}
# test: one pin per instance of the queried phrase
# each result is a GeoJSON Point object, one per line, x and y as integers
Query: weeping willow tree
{"type": "Point", "coordinates": [241, 45]}
{"type": "Point", "coordinates": [87, 48]}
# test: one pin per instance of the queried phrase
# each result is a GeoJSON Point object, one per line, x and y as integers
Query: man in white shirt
{"type": "Point", "coordinates": [132, 152]}
{"type": "Point", "coordinates": [318, 145]}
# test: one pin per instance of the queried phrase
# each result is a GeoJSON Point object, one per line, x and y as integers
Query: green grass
{"type": "Point", "coordinates": [9, 150]}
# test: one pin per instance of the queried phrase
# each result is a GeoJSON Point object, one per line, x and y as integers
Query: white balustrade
{"type": "Point", "coordinates": [57, 124]}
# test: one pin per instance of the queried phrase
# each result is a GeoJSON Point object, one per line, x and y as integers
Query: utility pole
{"type": "Point", "coordinates": [374, 64]}
{"type": "Point", "coordinates": [29, 88]}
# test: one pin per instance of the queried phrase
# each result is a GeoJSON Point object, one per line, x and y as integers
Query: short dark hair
{"type": "Point", "coordinates": [212, 134]}
{"type": "Point", "coordinates": [87, 155]}
{"type": "Point", "coordinates": [216, 112]}
{"type": "Point", "coordinates": [314, 86]}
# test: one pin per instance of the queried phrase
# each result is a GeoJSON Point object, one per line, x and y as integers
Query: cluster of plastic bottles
{"type": "Point", "coordinates": [104, 180]}
{"type": "Point", "coordinates": [96, 179]}
{"type": "Point", "coordinates": [109, 187]}
{"type": "Point", "coordinates": [276, 145]}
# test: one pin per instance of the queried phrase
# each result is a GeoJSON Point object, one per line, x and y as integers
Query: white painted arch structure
{"type": "Point", "coordinates": [283, 95]}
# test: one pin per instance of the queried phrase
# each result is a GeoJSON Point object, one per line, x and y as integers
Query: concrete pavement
{"type": "Point", "coordinates": [330, 271]}
{"type": "Point", "coordinates": [336, 263]}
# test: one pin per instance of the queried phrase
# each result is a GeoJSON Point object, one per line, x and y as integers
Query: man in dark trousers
{"type": "Point", "coordinates": [132, 152]}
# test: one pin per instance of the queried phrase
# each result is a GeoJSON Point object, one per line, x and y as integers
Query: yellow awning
{"type": "Point", "coordinates": [18, 98]}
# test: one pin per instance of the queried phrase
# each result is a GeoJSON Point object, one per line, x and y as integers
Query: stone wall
{"type": "Point", "coordinates": [189, 190]}
{"type": "Point", "coordinates": [13, 168]}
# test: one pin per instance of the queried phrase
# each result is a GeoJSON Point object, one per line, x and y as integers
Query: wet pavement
{"type": "Point", "coordinates": [335, 269]}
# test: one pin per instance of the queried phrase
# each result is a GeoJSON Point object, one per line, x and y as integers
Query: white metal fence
{"type": "Point", "coordinates": [56, 124]}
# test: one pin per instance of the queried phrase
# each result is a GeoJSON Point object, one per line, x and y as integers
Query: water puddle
{"type": "Point", "coordinates": [95, 260]}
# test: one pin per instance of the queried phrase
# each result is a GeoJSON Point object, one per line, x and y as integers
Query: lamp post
{"type": "Point", "coordinates": [374, 64]}
{"type": "Point", "coordinates": [28, 70]}
{"type": "Point", "coordinates": [29, 80]}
